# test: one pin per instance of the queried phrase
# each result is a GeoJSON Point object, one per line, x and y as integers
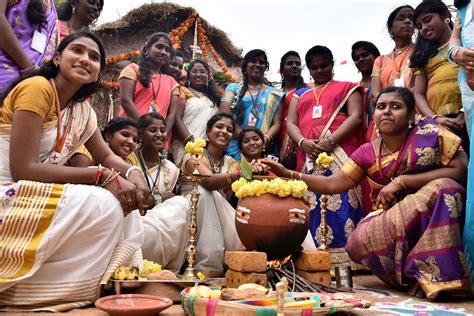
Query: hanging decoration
{"type": "Point", "coordinates": [175, 35]}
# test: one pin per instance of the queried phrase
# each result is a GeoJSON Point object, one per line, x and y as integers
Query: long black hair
{"type": "Point", "coordinates": [300, 81]}
{"type": "Point", "coordinates": [238, 105]}
{"type": "Point", "coordinates": [144, 69]}
{"type": "Point", "coordinates": [212, 88]}
{"type": "Point", "coordinates": [49, 70]}
{"type": "Point", "coordinates": [65, 9]}
{"type": "Point", "coordinates": [425, 48]}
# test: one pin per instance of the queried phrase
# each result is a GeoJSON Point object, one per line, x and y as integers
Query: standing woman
{"type": "Point", "coordinates": [461, 52]}
{"type": "Point", "coordinates": [77, 15]}
{"type": "Point", "coordinates": [200, 101]}
{"type": "Point", "coordinates": [146, 87]}
{"type": "Point", "coordinates": [22, 23]}
{"type": "Point", "coordinates": [364, 54]}
{"type": "Point", "coordinates": [291, 80]}
{"type": "Point", "coordinates": [253, 102]}
{"type": "Point", "coordinates": [62, 227]}
{"type": "Point", "coordinates": [437, 92]}
{"type": "Point", "coordinates": [328, 118]}
{"type": "Point", "coordinates": [393, 69]}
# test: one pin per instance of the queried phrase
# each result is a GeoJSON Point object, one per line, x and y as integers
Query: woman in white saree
{"type": "Point", "coordinates": [166, 221]}
{"type": "Point", "coordinates": [61, 236]}
{"type": "Point", "coordinates": [200, 102]}
{"type": "Point", "coordinates": [215, 216]}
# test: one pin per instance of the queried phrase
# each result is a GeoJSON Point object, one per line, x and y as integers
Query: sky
{"type": "Point", "coordinates": [281, 25]}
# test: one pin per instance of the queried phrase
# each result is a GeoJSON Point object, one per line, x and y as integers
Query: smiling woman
{"type": "Point", "coordinates": [63, 216]}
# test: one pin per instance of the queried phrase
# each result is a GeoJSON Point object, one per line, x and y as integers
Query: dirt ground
{"type": "Point", "coordinates": [374, 291]}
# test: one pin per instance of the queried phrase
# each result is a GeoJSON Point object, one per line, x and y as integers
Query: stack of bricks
{"type": "Point", "coordinates": [314, 266]}
{"type": "Point", "coordinates": [245, 267]}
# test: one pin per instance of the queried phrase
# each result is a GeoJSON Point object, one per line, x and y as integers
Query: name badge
{"type": "Point", "coordinates": [39, 42]}
{"type": "Point", "coordinates": [252, 120]}
{"type": "Point", "coordinates": [399, 82]}
{"type": "Point", "coordinates": [317, 111]}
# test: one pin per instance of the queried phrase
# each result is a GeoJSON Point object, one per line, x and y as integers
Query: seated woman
{"type": "Point", "coordinates": [216, 227]}
{"type": "Point", "coordinates": [414, 235]}
{"type": "Point", "coordinates": [60, 232]}
{"type": "Point", "coordinates": [200, 100]}
{"type": "Point", "coordinates": [165, 223]}
{"type": "Point", "coordinates": [120, 133]}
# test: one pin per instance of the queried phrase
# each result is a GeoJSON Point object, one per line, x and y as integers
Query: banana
{"type": "Point", "coordinates": [253, 286]}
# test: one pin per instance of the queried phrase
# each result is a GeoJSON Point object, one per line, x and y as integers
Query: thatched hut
{"type": "Point", "coordinates": [131, 31]}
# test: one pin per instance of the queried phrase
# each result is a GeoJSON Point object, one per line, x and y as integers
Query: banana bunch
{"type": "Point", "coordinates": [203, 291]}
{"type": "Point", "coordinates": [126, 273]}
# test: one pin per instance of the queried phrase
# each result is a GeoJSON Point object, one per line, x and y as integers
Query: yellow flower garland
{"type": "Point", "coordinates": [277, 186]}
{"type": "Point", "coordinates": [196, 147]}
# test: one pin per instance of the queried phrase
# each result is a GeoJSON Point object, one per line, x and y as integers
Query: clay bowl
{"type": "Point", "coordinates": [274, 225]}
{"type": "Point", "coordinates": [133, 304]}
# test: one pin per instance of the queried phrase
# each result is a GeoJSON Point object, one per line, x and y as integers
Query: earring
{"type": "Point", "coordinates": [56, 63]}
{"type": "Point", "coordinates": [377, 133]}
{"type": "Point", "coordinates": [73, 10]}
{"type": "Point", "coordinates": [447, 20]}
{"type": "Point", "coordinates": [410, 124]}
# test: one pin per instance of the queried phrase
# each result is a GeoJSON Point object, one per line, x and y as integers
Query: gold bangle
{"type": "Point", "coordinates": [454, 54]}
{"type": "Point", "coordinates": [228, 178]}
{"type": "Point", "coordinates": [300, 176]}
{"type": "Point", "coordinates": [300, 142]}
{"type": "Point", "coordinates": [398, 181]}
{"type": "Point", "coordinates": [291, 174]}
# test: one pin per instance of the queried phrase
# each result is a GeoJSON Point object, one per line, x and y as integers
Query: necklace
{"type": "Point", "coordinates": [443, 46]}
{"type": "Point", "coordinates": [147, 173]}
{"type": "Point", "coordinates": [153, 104]}
{"type": "Point", "coordinates": [398, 51]}
{"type": "Point", "coordinates": [215, 168]}
{"type": "Point", "coordinates": [386, 149]}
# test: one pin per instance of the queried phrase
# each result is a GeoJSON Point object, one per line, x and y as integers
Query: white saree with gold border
{"type": "Point", "coordinates": [57, 241]}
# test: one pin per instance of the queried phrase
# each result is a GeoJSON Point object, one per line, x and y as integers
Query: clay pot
{"type": "Point", "coordinates": [271, 224]}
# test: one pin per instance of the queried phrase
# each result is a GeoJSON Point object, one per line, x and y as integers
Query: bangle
{"type": "Point", "coordinates": [300, 176]}
{"type": "Point", "coordinates": [436, 116]}
{"type": "Point", "coordinates": [29, 69]}
{"type": "Point", "coordinates": [452, 52]}
{"type": "Point", "coordinates": [331, 141]}
{"type": "Point", "coordinates": [228, 177]}
{"type": "Point", "coordinates": [399, 182]}
{"type": "Point", "coordinates": [110, 178]}
{"type": "Point", "coordinates": [189, 138]}
{"type": "Point", "coordinates": [291, 174]}
{"type": "Point", "coordinates": [300, 142]}
{"type": "Point", "coordinates": [100, 171]}
{"type": "Point", "coordinates": [127, 174]}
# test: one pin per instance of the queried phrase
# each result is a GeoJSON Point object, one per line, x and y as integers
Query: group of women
{"type": "Point", "coordinates": [77, 203]}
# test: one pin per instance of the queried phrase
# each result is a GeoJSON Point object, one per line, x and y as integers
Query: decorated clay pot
{"type": "Point", "coordinates": [271, 224]}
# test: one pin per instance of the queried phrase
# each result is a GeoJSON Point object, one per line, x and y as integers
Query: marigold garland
{"type": "Point", "coordinates": [277, 186]}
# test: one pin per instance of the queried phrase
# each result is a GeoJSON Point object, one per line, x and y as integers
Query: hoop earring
{"type": "Point", "coordinates": [447, 20]}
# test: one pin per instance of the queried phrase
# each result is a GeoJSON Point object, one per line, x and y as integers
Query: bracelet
{"type": "Point", "coordinates": [110, 178]}
{"type": "Point", "coordinates": [331, 141]}
{"type": "Point", "coordinates": [189, 138]}
{"type": "Point", "coordinates": [300, 142]}
{"type": "Point", "coordinates": [29, 69]}
{"type": "Point", "coordinates": [399, 182]}
{"type": "Point", "coordinates": [436, 116]}
{"type": "Point", "coordinates": [127, 174]}
{"type": "Point", "coordinates": [291, 174]}
{"type": "Point", "coordinates": [228, 177]}
{"type": "Point", "coordinates": [100, 171]}
{"type": "Point", "coordinates": [451, 51]}
{"type": "Point", "coordinates": [300, 176]}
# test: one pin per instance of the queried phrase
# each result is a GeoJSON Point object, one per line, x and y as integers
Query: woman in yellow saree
{"type": "Point", "coordinates": [62, 229]}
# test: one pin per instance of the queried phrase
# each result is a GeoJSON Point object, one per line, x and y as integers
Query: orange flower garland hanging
{"type": "Point", "coordinates": [176, 33]}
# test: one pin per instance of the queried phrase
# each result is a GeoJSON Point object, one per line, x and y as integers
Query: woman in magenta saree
{"type": "Point", "coordinates": [413, 236]}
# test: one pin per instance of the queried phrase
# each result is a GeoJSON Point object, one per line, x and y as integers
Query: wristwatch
{"type": "Point", "coordinates": [331, 141]}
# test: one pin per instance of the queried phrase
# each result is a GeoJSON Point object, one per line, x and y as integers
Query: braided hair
{"type": "Point", "coordinates": [238, 104]}
{"type": "Point", "coordinates": [300, 81]}
{"type": "Point", "coordinates": [144, 69]}
{"type": "Point", "coordinates": [425, 48]}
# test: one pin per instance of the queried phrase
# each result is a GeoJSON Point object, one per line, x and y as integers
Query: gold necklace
{"type": "Point", "coordinates": [399, 51]}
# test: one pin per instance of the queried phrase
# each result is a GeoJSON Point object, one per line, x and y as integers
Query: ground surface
{"type": "Point", "coordinates": [375, 294]}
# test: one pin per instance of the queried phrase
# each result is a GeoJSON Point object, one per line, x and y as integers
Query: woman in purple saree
{"type": "Point", "coordinates": [413, 236]}
{"type": "Point", "coordinates": [30, 37]}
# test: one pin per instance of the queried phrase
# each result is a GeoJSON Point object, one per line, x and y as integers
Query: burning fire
{"type": "Point", "coordinates": [278, 263]}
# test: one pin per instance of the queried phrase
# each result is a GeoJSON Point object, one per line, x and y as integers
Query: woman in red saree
{"type": "Point", "coordinates": [328, 118]}
{"type": "Point", "coordinates": [413, 236]}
